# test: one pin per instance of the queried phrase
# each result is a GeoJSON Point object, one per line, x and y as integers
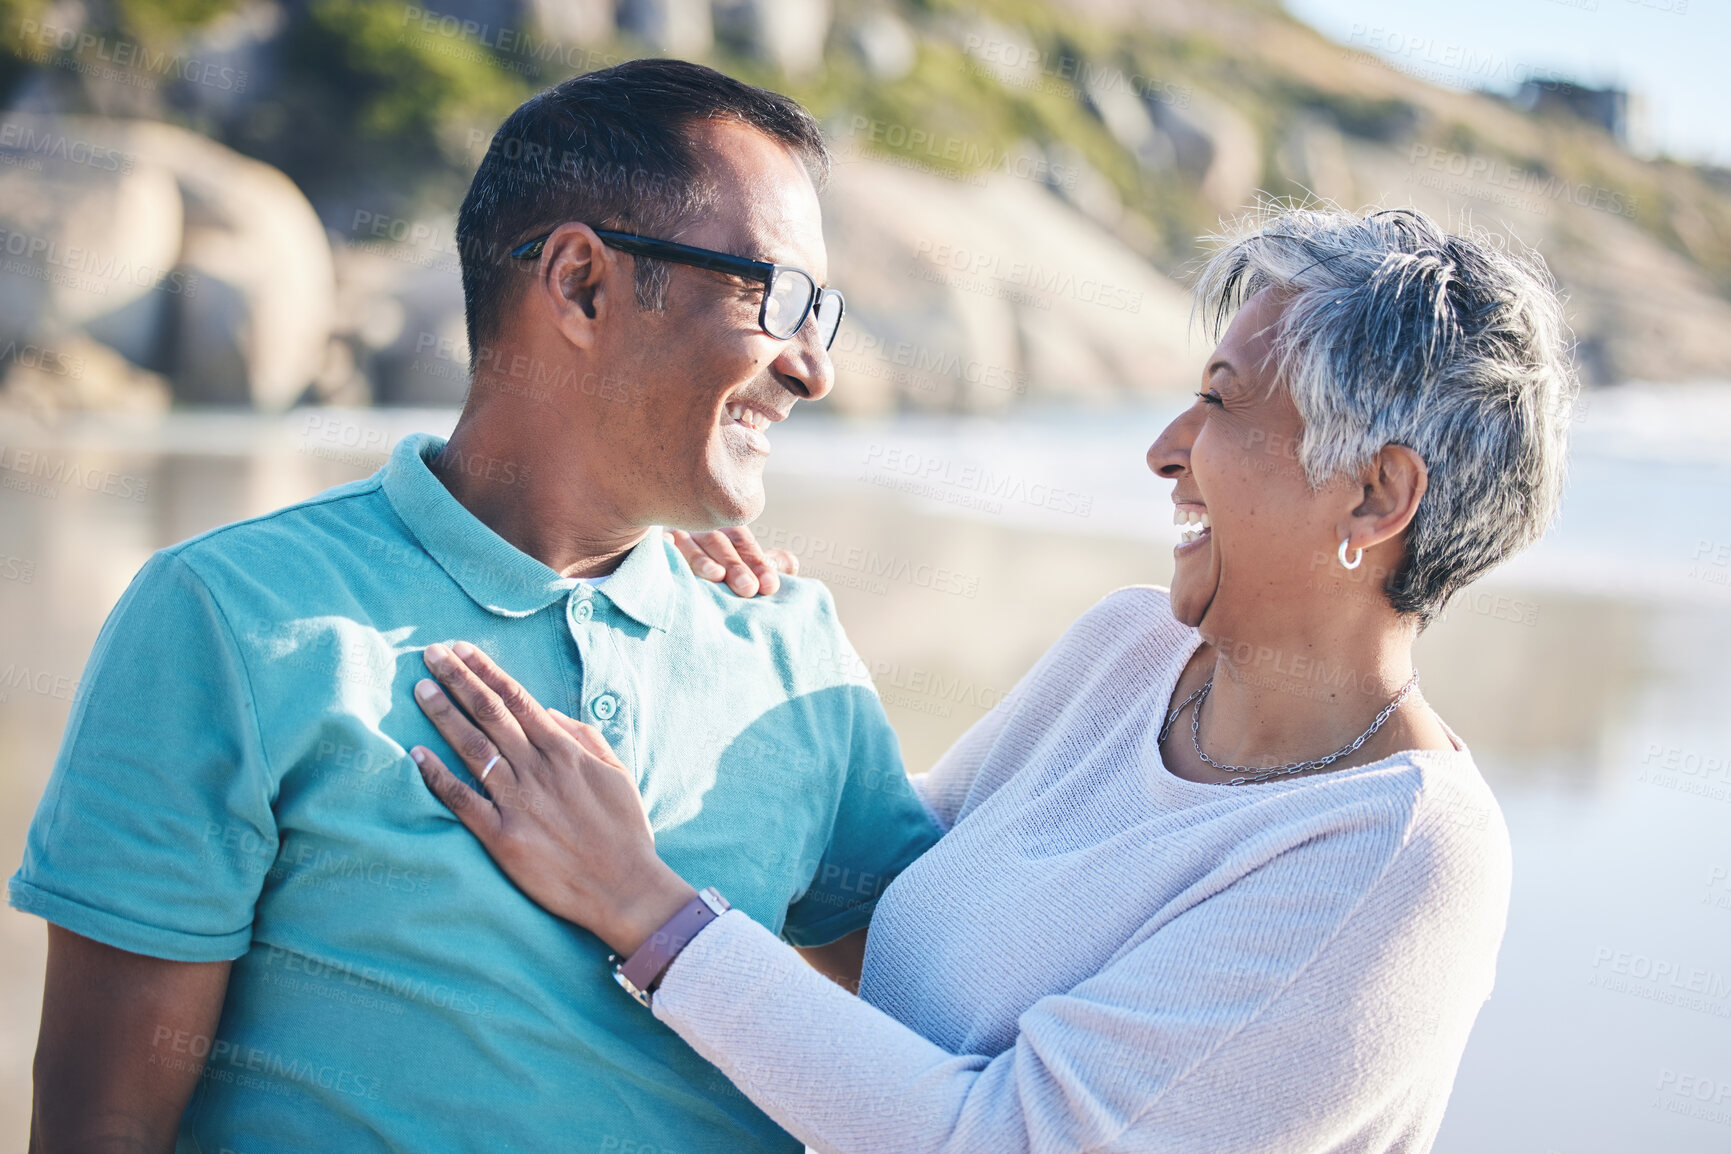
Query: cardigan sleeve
{"type": "Point", "coordinates": [1280, 1012]}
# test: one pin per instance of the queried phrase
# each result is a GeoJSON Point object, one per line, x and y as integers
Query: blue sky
{"type": "Point", "coordinates": [1676, 54]}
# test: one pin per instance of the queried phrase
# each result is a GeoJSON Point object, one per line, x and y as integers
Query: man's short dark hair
{"type": "Point", "coordinates": [612, 149]}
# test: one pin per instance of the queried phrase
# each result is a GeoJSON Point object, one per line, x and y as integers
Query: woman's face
{"type": "Point", "coordinates": [1258, 538]}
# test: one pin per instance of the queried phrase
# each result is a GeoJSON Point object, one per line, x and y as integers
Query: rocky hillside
{"type": "Point", "coordinates": [1018, 194]}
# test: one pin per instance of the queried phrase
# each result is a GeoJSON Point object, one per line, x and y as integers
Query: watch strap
{"type": "Point", "coordinates": [641, 973]}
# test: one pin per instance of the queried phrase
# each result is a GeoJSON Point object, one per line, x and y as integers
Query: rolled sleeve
{"type": "Point", "coordinates": [156, 833]}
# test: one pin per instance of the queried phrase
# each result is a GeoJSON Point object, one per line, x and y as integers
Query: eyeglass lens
{"type": "Point", "coordinates": [828, 317]}
{"type": "Point", "coordinates": [788, 302]}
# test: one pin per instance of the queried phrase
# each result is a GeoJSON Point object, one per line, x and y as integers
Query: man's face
{"type": "Point", "coordinates": [678, 426]}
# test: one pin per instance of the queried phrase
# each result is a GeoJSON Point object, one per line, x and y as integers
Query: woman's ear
{"type": "Point", "coordinates": [1393, 485]}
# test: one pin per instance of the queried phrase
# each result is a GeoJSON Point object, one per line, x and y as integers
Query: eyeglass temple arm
{"type": "Point", "coordinates": [670, 250]}
{"type": "Point", "coordinates": [689, 255]}
{"type": "Point", "coordinates": [667, 249]}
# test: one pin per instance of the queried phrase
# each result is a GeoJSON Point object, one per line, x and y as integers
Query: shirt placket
{"type": "Point", "coordinates": [603, 690]}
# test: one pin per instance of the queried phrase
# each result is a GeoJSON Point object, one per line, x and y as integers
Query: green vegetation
{"type": "Point", "coordinates": [361, 101]}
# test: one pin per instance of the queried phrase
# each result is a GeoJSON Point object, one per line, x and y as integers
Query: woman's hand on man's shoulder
{"type": "Point", "coordinates": [733, 556]}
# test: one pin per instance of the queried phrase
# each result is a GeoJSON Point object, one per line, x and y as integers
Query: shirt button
{"type": "Point", "coordinates": [584, 611]}
{"type": "Point", "coordinates": [604, 707]}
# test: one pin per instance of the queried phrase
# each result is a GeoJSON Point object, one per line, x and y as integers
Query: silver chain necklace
{"type": "Point", "coordinates": [1266, 773]}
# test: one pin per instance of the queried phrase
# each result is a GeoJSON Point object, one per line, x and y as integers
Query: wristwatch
{"type": "Point", "coordinates": [640, 974]}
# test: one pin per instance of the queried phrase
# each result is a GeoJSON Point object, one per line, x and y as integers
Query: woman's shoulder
{"type": "Point", "coordinates": [1457, 818]}
{"type": "Point", "coordinates": [1446, 889]}
{"type": "Point", "coordinates": [1135, 616]}
{"type": "Point", "coordinates": [1129, 632]}
{"type": "Point", "coordinates": [1152, 601]}
{"type": "Point", "coordinates": [1449, 843]}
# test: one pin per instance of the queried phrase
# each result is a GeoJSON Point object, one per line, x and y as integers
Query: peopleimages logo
{"type": "Point", "coordinates": [968, 485]}
{"type": "Point", "coordinates": [962, 152]}
{"type": "Point", "coordinates": [1024, 275]}
{"type": "Point", "coordinates": [43, 360]}
{"type": "Point", "coordinates": [48, 474]}
{"type": "Point", "coordinates": [97, 271]}
{"type": "Point", "coordinates": [1537, 186]}
{"type": "Point", "coordinates": [27, 139]}
{"type": "Point", "coordinates": [130, 55]}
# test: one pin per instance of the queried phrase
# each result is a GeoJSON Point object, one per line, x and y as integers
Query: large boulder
{"type": "Point", "coordinates": [77, 373]}
{"type": "Point", "coordinates": [182, 255]}
{"type": "Point", "coordinates": [89, 234]}
{"type": "Point", "coordinates": [255, 315]}
{"type": "Point", "coordinates": [426, 360]}
{"type": "Point", "coordinates": [974, 295]}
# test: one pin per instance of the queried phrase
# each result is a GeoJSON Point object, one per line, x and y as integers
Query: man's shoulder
{"type": "Point", "coordinates": [798, 623]}
{"type": "Point", "coordinates": [269, 555]}
{"type": "Point", "coordinates": [305, 526]}
{"type": "Point", "coordinates": [800, 603]}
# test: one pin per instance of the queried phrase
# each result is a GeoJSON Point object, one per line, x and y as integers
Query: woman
{"type": "Point", "coordinates": [1215, 877]}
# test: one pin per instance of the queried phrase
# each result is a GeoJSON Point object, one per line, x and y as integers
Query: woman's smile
{"type": "Point", "coordinates": [1194, 527]}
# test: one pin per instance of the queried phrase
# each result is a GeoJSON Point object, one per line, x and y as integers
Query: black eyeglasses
{"type": "Point", "coordinates": [789, 294]}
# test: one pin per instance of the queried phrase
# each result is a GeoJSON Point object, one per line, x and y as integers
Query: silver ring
{"type": "Point", "coordinates": [488, 768]}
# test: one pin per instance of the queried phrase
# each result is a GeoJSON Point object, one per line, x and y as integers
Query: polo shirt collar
{"type": "Point", "coordinates": [642, 587]}
{"type": "Point", "coordinates": [496, 575]}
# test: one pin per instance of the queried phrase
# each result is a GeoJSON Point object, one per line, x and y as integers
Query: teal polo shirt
{"type": "Point", "coordinates": [234, 783]}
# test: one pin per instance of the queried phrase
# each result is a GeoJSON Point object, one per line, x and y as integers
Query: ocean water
{"type": "Point", "coordinates": [1589, 675]}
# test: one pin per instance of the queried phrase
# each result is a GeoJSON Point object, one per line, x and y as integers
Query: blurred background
{"type": "Point", "coordinates": [228, 279]}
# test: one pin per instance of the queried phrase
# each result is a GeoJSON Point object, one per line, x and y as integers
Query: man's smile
{"type": "Point", "coordinates": [749, 420]}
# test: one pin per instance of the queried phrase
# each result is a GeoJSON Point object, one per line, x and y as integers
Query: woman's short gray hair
{"type": "Point", "coordinates": [1396, 332]}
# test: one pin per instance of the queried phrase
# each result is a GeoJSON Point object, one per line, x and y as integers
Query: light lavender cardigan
{"type": "Point", "coordinates": [1100, 956]}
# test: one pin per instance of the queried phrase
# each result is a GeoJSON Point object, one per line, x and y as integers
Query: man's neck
{"type": "Point", "coordinates": [541, 503]}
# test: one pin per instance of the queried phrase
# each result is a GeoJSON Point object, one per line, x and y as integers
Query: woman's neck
{"type": "Point", "coordinates": [1291, 696]}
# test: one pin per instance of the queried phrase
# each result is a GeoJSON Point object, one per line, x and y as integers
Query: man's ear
{"type": "Point", "coordinates": [576, 279]}
{"type": "Point", "coordinates": [1391, 488]}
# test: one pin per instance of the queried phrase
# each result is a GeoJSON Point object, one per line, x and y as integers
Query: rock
{"type": "Point", "coordinates": [233, 62]}
{"type": "Point", "coordinates": [403, 323]}
{"type": "Point", "coordinates": [1313, 156]}
{"type": "Point", "coordinates": [1214, 142]}
{"type": "Point", "coordinates": [1127, 118]}
{"type": "Point", "coordinates": [188, 258]}
{"type": "Point", "coordinates": [785, 34]}
{"type": "Point", "coordinates": [577, 21]}
{"type": "Point", "coordinates": [670, 27]}
{"type": "Point", "coordinates": [256, 314]}
{"type": "Point", "coordinates": [974, 297]}
{"type": "Point", "coordinates": [76, 374]}
{"type": "Point", "coordinates": [884, 43]}
{"type": "Point", "coordinates": [89, 235]}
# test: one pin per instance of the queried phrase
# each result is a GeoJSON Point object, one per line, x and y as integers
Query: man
{"type": "Point", "coordinates": [265, 933]}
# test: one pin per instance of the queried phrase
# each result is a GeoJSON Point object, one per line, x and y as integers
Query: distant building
{"type": "Point", "coordinates": [1612, 109]}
